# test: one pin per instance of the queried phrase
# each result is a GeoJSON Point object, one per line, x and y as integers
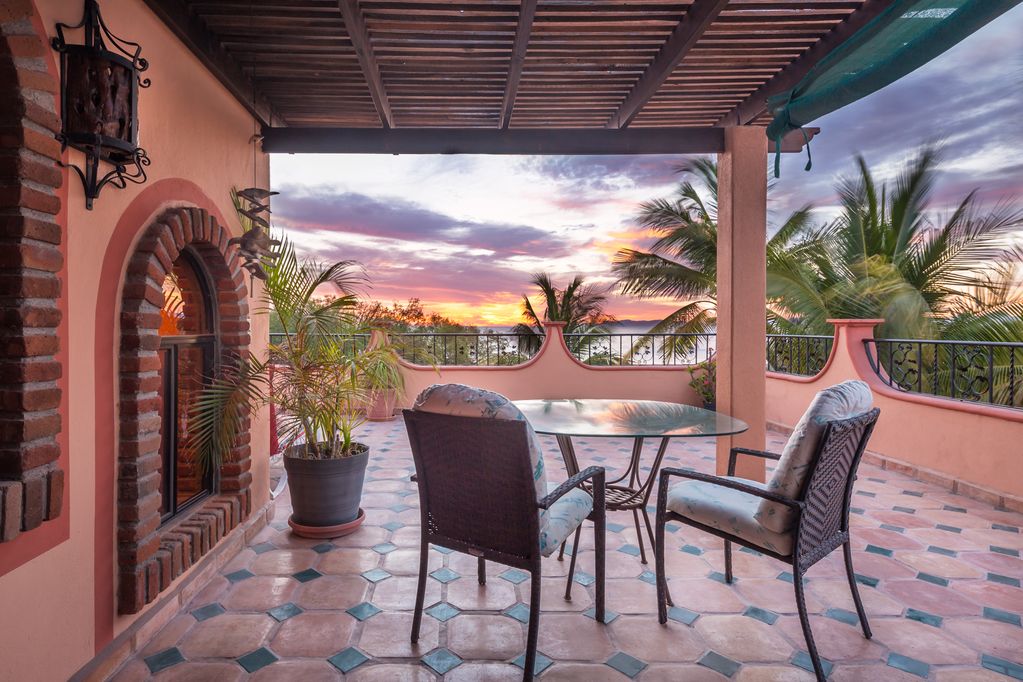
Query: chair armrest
{"type": "Point", "coordinates": [748, 451]}
{"type": "Point", "coordinates": [667, 473]}
{"type": "Point", "coordinates": [595, 473]}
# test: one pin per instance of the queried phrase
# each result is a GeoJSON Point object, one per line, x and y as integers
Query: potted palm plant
{"type": "Point", "coordinates": [314, 374]}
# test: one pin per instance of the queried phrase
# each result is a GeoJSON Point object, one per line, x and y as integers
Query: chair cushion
{"type": "Point", "coordinates": [563, 517]}
{"type": "Point", "coordinates": [841, 401]}
{"type": "Point", "coordinates": [731, 511]}
{"type": "Point", "coordinates": [469, 401]}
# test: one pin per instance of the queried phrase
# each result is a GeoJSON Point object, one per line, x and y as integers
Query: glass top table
{"type": "Point", "coordinates": [636, 419]}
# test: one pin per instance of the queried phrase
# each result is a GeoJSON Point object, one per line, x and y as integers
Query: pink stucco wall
{"type": "Point", "coordinates": [977, 445]}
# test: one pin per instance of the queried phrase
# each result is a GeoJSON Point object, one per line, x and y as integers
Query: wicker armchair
{"type": "Point", "coordinates": [477, 495]}
{"type": "Point", "coordinates": [746, 512]}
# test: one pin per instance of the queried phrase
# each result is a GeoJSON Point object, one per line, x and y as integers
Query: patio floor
{"type": "Point", "coordinates": [940, 580]}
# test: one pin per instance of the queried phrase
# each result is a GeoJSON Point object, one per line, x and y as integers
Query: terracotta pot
{"type": "Point", "coordinates": [381, 405]}
{"type": "Point", "coordinates": [325, 493]}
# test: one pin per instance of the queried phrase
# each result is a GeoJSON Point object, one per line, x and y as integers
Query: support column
{"type": "Point", "coordinates": [741, 293]}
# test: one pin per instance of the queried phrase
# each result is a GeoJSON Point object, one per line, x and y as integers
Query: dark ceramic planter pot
{"type": "Point", "coordinates": [325, 493]}
{"type": "Point", "coordinates": [380, 407]}
{"type": "Point", "coordinates": [712, 406]}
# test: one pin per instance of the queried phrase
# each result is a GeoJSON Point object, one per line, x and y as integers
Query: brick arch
{"type": "Point", "coordinates": [31, 479]}
{"type": "Point", "coordinates": [151, 556]}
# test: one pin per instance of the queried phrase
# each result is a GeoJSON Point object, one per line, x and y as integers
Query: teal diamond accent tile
{"type": "Point", "coordinates": [904, 510]}
{"type": "Point", "coordinates": [443, 611]}
{"type": "Point", "coordinates": [164, 659]}
{"type": "Point", "coordinates": [874, 549]}
{"type": "Point", "coordinates": [363, 611]}
{"type": "Point", "coordinates": [924, 617]}
{"type": "Point", "coordinates": [894, 529]}
{"type": "Point", "coordinates": [1005, 527]}
{"type": "Point", "coordinates": [609, 615]}
{"type": "Point", "coordinates": [399, 508]}
{"type": "Point", "coordinates": [444, 575]}
{"type": "Point", "coordinates": [208, 611]}
{"type": "Point", "coordinates": [263, 547]}
{"type": "Point", "coordinates": [441, 661]}
{"type": "Point", "coordinates": [785, 576]}
{"type": "Point", "coordinates": [285, 611]}
{"type": "Point", "coordinates": [750, 550]}
{"type": "Point", "coordinates": [631, 550]}
{"type": "Point", "coordinates": [1003, 579]}
{"type": "Point", "coordinates": [843, 616]}
{"type": "Point", "coordinates": [255, 660]}
{"type": "Point", "coordinates": [323, 548]}
{"type": "Point", "coordinates": [1000, 665]}
{"type": "Point", "coordinates": [857, 510]}
{"type": "Point", "coordinates": [375, 575]}
{"type": "Point", "coordinates": [802, 660]}
{"type": "Point", "coordinates": [444, 550]}
{"type": "Point", "coordinates": [763, 615]}
{"type": "Point", "coordinates": [682, 615]}
{"type": "Point", "coordinates": [519, 612]}
{"type": "Point", "coordinates": [648, 577]}
{"type": "Point", "coordinates": [539, 665]}
{"type": "Point", "coordinates": [947, 528]}
{"type": "Point", "coordinates": [615, 527]}
{"type": "Point", "coordinates": [691, 549]}
{"type": "Point", "coordinates": [626, 664]}
{"type": "Point", "coordinates": [913, 493]}
{"type": "Point", "coordinates": [672, 528]}
{"type": "Point", "coordinates": [719, 663]}
{"type": "Point", "coordinates": [718, 576]}
{"type": "Point", "coordinates": [1005, 550]}
{"type": "Point", "coordinates": [583, 578]}
{"type": "Point", "coordinates": [928, 578]}
{"type": "Point", "coordinates": [307, 575]}
{"type": "Point", "coordinates": [1002, 616]}
{"type": "Point", "coordinates": [385, 548]}
{"type": "Point", "coordinates": [866, 580]}
{"type": "Point", "coordinates": [941, 550]}
{"type": "Point", "coordinates": [910, 665]}
{"type": "Point", "coordinates": [392, 525]}
{"type": "Point", "coordinates": [348, 660]}
{"type": "Point", "coordinates": [866, 493]}
{"type": "Point", "coordinates": [949, 507]}
{"type": "Point", "coordinates": [238, 576]}
{"type": "Point", "coordinates": [514, 575]}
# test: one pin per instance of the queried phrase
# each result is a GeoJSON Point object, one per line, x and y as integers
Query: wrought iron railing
{"type": "Point", "coordinates": [801, 354]}
{"type": "Point", "coordinates": [484, 349]}
{"type": "Point", "coordinates": [641, 349]}
{"type": "Point", "coordinates": [973, 371]}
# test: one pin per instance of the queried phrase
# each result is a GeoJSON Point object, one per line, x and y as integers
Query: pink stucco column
{"type": "Point", "coordinates": [742, 290]}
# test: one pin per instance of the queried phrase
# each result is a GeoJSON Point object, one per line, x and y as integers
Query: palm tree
{"type": "Point", "coordinates": [682, 262]}
{"type": "Point", "coordinates": [579, 305]}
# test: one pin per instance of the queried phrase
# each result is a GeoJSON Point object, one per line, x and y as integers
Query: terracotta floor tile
{"type": "Point", "coordinates": [922, 642]}
{"type": "Point", "coordinates": [332, 592]}
{"type": "Point", "coordinates": [836, 594]}
{"type": "Point", "coordinates": [776, 673]}
{"type": "Point", "coordinates": [216, 588]}
{"type": "Point", "coordinates": [170, 635]}
{"type": "Point", "coordinates": [202, 672]}
{"type": "Point", "coordinates": [313, 635]}
{"type": "Point", "coordinates": [391, 672]}
{"type": "Point", "coordinates": [406, 562]}
{"type": "Point", "coordinates": [284, 561]}
{"type": "Point", "coordinates": [987, 593]}
{"type": "Point", "coordinates": [485, 672]}
{"type": "Point", "coordinates": [835, 641]}
{"type": "Point", "coordinates": [582, 672]}
{"type": "Point", "coordinates": [630, 596]}
{"type": "Point", "coordinates": [260, 593]}
{"type": "Point", "coordinates": [772, 594]}
{"type": "Point", "coordinates": [297, 671]}
{"type": "Point", "coordinates": [226, 636]}
{"type": "Point", "coordinates": [996, 563]}
{"type": "Point", "coordinates": [486, 637]}
{"type": "Point", "coordinates": [574, 637]}
{"type": "Point", "coordinates": [646, 639]}
{"type": "Point", "coordinates": [386, 635]}
{"type": "Point", "coordinates": [350, 560]}
{"type": "Point", "coordinates": [133, 671]}
{"type": "Point", "coordinates": [989, 637]}
{"type": "Point", "coordinates": [467, 594]}
{"type": "Point", "coordinates": [968, 675]}
{"type": "Point", "coordinates": [677, 673]}
{"type": "Point", "coordinates": [399, 593]}
{"type": "Point", "coordinates": [552, 595]}
{"type": "Point", "coordinates": [940, 565]}
{"type": "Point", "coordinates": [863, 673]}
{"type": "Point", "coordinates": [925, 596]}
{"type": "Point", "coordinates": [743, 639]}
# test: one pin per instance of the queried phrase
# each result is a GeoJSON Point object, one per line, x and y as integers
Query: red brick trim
{"type": "Point", "coordinates": [31, 479]}
{"type": "Point", "coordinates": [151, 556]}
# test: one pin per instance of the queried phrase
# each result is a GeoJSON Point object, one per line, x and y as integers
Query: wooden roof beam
{"type": "Point", "coordinates": [756, 104]}
{"type": "Point", "coordinates": [527, 12]}
{"type": "Point", "coordinates": [355, 24]}
{"type": "Point", "coordinates": [192, 31]}
{"type": "Point", "coordinates": [698, 17]}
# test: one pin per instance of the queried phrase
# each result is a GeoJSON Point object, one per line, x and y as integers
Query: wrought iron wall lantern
{"type": "Point", "coordinates": [99, 84]}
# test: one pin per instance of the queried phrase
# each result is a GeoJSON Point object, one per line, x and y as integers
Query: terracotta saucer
{"type": "Point", "coordinates": [320, 532]}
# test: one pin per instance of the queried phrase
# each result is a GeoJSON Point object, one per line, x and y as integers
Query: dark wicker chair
{"type": "Point", "coordinates": [821, 512]}
{"type": "Point", "coordinates": [477, 495]}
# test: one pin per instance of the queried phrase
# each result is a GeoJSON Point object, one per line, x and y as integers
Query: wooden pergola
{"type": "Point", "coordinates": [543, 77]}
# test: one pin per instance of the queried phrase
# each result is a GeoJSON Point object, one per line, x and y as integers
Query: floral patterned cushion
{"type": "Point", "coordinates": [468, 401]}
{"type": "Point", "coordinates": [731, 511]}
{"type": "Point", "coordinates": [563, 517]}
{"type": "Point", "coordinates": [841, 401]}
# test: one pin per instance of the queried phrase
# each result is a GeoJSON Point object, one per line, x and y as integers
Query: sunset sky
{"type": "Point", "coordinates": [463, 233]}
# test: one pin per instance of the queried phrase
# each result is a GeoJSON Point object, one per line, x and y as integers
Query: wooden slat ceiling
{"type": "Point", "coordinates": [505, 63]}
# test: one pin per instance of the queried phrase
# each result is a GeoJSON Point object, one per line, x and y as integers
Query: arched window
{"type": "Point", "coordinates": [187, 352]}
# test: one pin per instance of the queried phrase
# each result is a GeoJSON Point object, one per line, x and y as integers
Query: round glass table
{"type": "Point", "coordinates": [635, 419]}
